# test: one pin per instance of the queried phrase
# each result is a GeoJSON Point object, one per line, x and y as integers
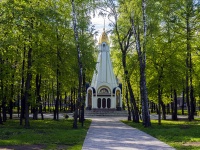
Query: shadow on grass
{"type": "Point", "coordinates": [174, 133]}
{"type": "Point", "coordinates": [43, 132]}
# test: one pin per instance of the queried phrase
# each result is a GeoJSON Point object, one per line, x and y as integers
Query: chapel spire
{"type": "Point", "coordinates": [104, 37]}
{"type": "Point", "coordinates": [104, 25]}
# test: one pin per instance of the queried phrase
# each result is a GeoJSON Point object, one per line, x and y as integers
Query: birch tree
{"type": "Point", "coordinates": [141, 51]}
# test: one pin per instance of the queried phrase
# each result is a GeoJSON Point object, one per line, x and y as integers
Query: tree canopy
{"type": "Point", "coordinates": [47, 53]}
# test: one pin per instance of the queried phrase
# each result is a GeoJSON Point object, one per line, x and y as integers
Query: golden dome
{"type": "Point", "coordinates": [103, 38]}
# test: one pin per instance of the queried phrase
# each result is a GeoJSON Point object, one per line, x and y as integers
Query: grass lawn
{"type": "Point", "coordinates": [45, 134]}
{"type": "Point", "coordinates": [182, 135]}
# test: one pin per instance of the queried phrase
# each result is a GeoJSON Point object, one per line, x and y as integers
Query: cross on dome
{"type": "Point", "coordinates": [103, 37]}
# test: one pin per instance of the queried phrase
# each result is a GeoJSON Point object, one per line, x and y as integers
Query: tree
{"type": "Point", "coordinates": [187, 14]}
{"type": "Point", "coordinates": [79, 25]}
{"type": "Point", "coordinates": [33, 39]}
{"type": "Point", "coordinates": [141, 50]}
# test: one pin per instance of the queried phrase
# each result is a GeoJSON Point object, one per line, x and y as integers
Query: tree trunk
{"type": "Point", "coordinates": [45, 102]}
{"type": "Point", "coordinates": [41, 112]}
{"type": "Point", "coordinates": [4, 109]}
{"type": "Point", "coordinates": [56, 117]}
{"type": "Point", "coordinates": [183, 102]}
{"type": "Point", "coordinates": [132, 100]}
{"type": "Point", "coordinates": [65, 102]}
{"type": "Point", "coordinates": [187, 97]}
{"type": "Point", "coordinates": [159, 103]}
{"type": "Point", "coordinates": [188, 103]}
{"type": "Point", "coordinates": [48, 99]}
{"type": "Point", "coordinates": [83, 100]}
{"type": "Point", "coordinates": [127, 102]}
{"type": "Point", "coordinates": [18, 100]}
{"type": "Point", "coordinates": [188, 63]}
{"type": "Point", "coordinates": [168, 108]}
{"type": "Point", "coordinates": [60, 103]}
{"type": "Point", "coordinates": [38, 97]}
{"type": "Point", "coordinates": [199, 104]}
{"type": "Point", "coordinates": [3, 95]}
{"type": "Point", "coordinates": [163, 110]}
{"type": "Point", "coordinates": [28, 87]}
{"type": "Point", "coordinates": [1, 121]}
{"type": "Point", "coordinates": [27, 94]}
{"type": "Point", "coordinates": [53, 98]}
{"type": "Point", "coordinates": [22, 89]}
{"type": "Point", "coordinates": [192, 100]}
{"type": "Point", "coordinates": [11, 100]}
{"type": "Point", "coordinates": [79, 63]}
{"type": "Point", "coordinates": [142, 62]}
{"type": "Point", "coordinates": [152, 107]}
{"type": "Point", "coordinates": [71, 101]}
{"type": "Point", "coordinates": [174, 112]}
{"type": "Point", "coordinates": [74, 99]}
{"type": "Point", "coordinates": [11, 109]}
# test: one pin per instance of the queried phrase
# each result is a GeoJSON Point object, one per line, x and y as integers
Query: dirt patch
{"type": "Point", "coordinates": [192, 144]}
{"type": "Point", "coordinates": [33, 147]}
{"type": "Point", "coordinates": [23, 147]}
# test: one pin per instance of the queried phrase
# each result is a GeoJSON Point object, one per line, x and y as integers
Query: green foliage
{"type": "Point", "coordinates": [45, 27]}
{"type": "Point", "coordinates": [45, 132]}
{"type": "Point", "coordinates": [166, 44]}
{"type": "Point", "coordinates": [175, 133]}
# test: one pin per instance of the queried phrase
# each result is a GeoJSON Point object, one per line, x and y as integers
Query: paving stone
{"type": "Point", "coordinates": [108, 133]}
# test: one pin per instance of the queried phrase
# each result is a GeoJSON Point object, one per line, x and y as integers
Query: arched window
{"type": "Point", "coordinates": [108, 103]}
{"type": "Point", "coordinates": [104, 91]}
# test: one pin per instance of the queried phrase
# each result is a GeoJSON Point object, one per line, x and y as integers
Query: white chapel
{"type": "Point", "coordinates": [104, 91]}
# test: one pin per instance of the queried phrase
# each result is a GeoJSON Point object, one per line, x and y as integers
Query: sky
{"type": "Point", "coordinates": [98, 22]}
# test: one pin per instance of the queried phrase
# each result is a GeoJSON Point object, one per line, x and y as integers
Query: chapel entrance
{"type": "Point", "coordinates": [103, 103]}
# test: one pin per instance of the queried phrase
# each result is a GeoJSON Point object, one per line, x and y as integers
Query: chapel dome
{"type": "Point", "coordinates": [103, 38]}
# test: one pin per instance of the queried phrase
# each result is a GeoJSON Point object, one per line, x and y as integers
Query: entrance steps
{"type": "Point", "coordinates": [106, 112]}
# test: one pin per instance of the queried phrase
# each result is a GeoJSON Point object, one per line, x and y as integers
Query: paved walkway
{"type": "Point", "coordinates": [108, 133]}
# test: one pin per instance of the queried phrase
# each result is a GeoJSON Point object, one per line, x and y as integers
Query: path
{"type": "Point", "coordinates": [108, 133]}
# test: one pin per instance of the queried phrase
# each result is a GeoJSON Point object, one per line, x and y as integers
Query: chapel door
{"type": "Point", "coordinates": [104, 103]}
{"type": "Point", "coordinates": [99, 103]}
